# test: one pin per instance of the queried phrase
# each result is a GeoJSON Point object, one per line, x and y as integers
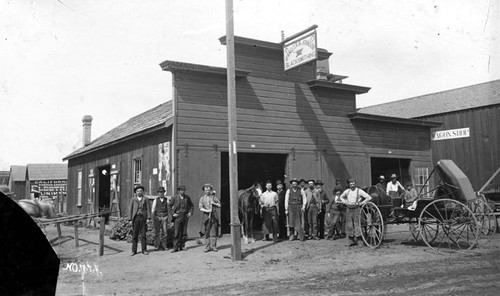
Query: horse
{"type": "Point", "coordinates": [38, 208]}
{"type": "Point", "coordinates": [248, 207]}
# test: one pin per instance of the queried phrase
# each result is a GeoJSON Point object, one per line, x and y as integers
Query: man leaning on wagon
{"type": "Point", "coordinates": [139, 215]}
{"type": "Point", "coordinates": [353, 198]}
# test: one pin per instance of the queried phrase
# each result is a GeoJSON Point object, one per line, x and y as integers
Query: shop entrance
{"type": "Point", "coordinates": [389, 166]}
{"type": "Point", "coordinates": [252, 167]}
{"type": "Point", "coordinates": [103, 189]}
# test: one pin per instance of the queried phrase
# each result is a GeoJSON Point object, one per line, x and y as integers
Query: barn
{"type": "Point", "coordinates": [298, 123]}
{"type": "Point", "coordinates": [469, 135]}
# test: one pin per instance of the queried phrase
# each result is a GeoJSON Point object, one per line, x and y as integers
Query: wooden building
{"type": "Point", "coordinates": [290, 124]}
{"type": "Point", "coordinates": [17, 182]}
{"type": "Point", "coordinates": [470, 132]}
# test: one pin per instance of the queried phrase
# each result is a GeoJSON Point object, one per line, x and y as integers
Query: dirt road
{"type": "Point", "coordinates": [398, 267]}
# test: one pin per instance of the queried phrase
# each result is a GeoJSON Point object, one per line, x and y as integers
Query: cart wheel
{"type": "Point", "coordinates": [448, 226]}
{"type": "Point", "coordinates": [485, 217]}
{"type": "Point", "coordinates": [372, 225]}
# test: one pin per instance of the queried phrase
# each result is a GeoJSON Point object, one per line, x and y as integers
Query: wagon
{"type": "Point", "coordinates": [447, 218]}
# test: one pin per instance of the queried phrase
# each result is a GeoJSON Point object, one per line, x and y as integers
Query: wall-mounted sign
{"type": "Point", "coordinates": [451, 134]}
{"type": "Point", "coordinates": [300, 51]}
{"type": "Point", "coordinates": [52, 188]}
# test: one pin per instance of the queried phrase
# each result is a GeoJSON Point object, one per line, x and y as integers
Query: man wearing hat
{"type": "Point", "coordinates": [381, 183]}
{"type": "Point", "coordinates": [160, 210]}
{"type": "Point", "coordinates": [281, 209]}
{"type": "Point", "coordinates": [353, 198]}
{"type": "Point", "coordinates": [323, 197]}
{"type": "Point", "coordinates": [313, 206]}
{"type": "Point", "coordinates": [139, 215]}
{"type": "Point", "coordinates": [333, 214]}
{"type": "Point", "coordinates": [295, 205]}
{"type": "Point", "coordinates": [410, 195]}
{"type": "Point", "coordinates": [208, 205]}
{"type": "Point", "coordinates": [393, 190]}
{"type": "Point", "coordinates": [182, 209]}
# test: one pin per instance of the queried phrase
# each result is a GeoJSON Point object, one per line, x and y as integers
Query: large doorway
{"type": "Point", "coordinates": [252, 167]}
{"type": "Point", "coordinates": [389, 166]}
{"type": "Point", "coordinates": [104, 189]}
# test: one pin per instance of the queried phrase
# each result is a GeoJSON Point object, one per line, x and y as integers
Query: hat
{"type": "Point", "coordinates": [302, 180]}
{"type": "Point", "coordinates": [161, 189]}
{"type": "Point", "coordinates": [351, 180]}
{"type": "Point", "coordinates": [35, 189]}
{"type": "Point", "coordinates": [294, 180]}
{"type": "Point", "coordinates": [318, 182]}
{"type": "Point", "coordinates": [394, 176]}
{"type": "Point", "coordinates": [278, 182]}
{"type": "Point", "coordinates": [311, 181]}
{"type": "Point", "coordinates": [382, 177]}
{"type": "Point", "coordinates": [181, 187]}
{"type": "Point", "coordinates": [203, 187]}
{"type": "Point", "coordinates": [139, 187]}
{"type": "Point", "coordinates": [337, 188]}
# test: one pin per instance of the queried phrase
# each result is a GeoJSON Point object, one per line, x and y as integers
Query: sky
{"type": "Point", "coordinates": [63, 59]}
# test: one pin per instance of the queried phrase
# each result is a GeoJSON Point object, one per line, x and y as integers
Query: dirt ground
{"type": "Point", "coordinates": [400, 266]}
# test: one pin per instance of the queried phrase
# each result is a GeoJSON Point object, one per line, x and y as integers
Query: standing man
{"type": "Point", "coordinates": [295, 205]}
{"type": "Point", "coordinates": [353, 198]}
{"type": "Point", "coordinates": [139, 215]}
{"type": "Point", "coordinates": [394, 186]}
{"type": "Point", "coordinates": [208, 206]}
{"type": "Point", "coordinates": [313, 207]}
{"type": "Point", "coordinates": [269, 203]}
{"type": "Point", "coordinates": [160, 210]}
{"type": "Point", "coordinates": [281, 210]}
{"type": "Point", "coordinates": [323, 197]}
{"type": "Point", "coordinates": [381, 183]}
{"type": "Point", "coordinates": [182, 209]}
{"type": "Point", "coordinates": [334, 214]}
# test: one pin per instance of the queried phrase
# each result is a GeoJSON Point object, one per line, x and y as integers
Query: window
{"type": "Point", "coordinates": [79, 189]}
{"type": "Point", "coordinates": [137, 170]}
{"type": "Point", "coordinates": [422, 187]}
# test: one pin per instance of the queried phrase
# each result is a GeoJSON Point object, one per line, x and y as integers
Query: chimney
{"type": "Point", "coordinates": [87, 126]}
{"type": "Point", "coordinates": [322, 69]}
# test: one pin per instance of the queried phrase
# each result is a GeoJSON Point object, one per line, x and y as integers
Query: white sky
{"type": "Point", "coordinates": [62, 59]}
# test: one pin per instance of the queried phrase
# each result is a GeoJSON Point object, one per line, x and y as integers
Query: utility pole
{"type": "Point", "coordinates": [232, 134]}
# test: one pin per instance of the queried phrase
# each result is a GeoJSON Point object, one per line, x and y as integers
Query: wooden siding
{"type": "Point", "coordinates": [122, 156]}
{"type": "Point", "coordinates": [478, 155]}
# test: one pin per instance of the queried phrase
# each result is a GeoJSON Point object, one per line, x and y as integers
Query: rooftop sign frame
{"type": "Point", "coordinates": [300, 49]}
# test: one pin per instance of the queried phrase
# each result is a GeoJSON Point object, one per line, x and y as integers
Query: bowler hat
{"type": "Point", "coordinates": [278, 182]}
{"type": "Point", "coordinates": [205, 185]}
{"type": "Point", "coordinates": [318, 182]}
{"type": "Point", "coordinates": [382, 177]}
{"type": "Point", "coordinates": [294, 180]}
{"type": "Point", "coordinates": [161, 189]}
{"type": "Point", "coordinates": [138, 187]}
{"type": "Point", "coordinates": [181, 187]}
{"type": "Point", "coordinates": [35, 189]}
{"type": "Point", "coordinates": [302, 180]}
{"type": "Point", "coordinates": [337, 188]}
{"type": "Point", "coordinates": [394, 176]}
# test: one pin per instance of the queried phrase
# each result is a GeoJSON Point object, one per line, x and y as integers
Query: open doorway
{"type": "Point", "coordinates": [389, 166]}
{"type": "Point", "coordinates": [104, 189]}
{"type": "Point", "coordinates": [252, 167]}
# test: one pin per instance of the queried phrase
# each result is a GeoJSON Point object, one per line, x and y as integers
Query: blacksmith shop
{"type": "Point", "coordinates": [295, 119]}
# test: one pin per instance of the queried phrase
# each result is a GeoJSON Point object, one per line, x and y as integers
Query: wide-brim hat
{"type": "Point", "coordinates": [139, 187]}
{"type": "Point", "coordinates": [394, 176]}
{"type": "Point", "coordinates": [319, 182]}
{"type": "Point", "coordinates": [294, 180]}
{"type": "Point", "coordinates": [337, 188]}
{"type": "Point", "coordinates": [314, 181]}
{"type": "Point", "coordinates": [382, 177]}
{"type": "Point", "coordinates": [161, 189]}
{"type": "Point", "coordinates": [35, 189]}
{"type": "Point", "coordinates": [302, 180]}
{"type": "Point", "coordinates": [181, 187]}
{"type": "Point", "coordinates": [203, 187]}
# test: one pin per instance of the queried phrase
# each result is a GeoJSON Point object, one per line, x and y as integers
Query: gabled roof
{"type": "Point", "coordinates": [157, 117]}
{"type": "Point", "coordinates": [18, 173]}
{"type": "Point", "coordinates": [469, 97]}
{"type": "Point", "coordinates": [4, 177]}
{"type": "Point", "coordinates": [47, 171]}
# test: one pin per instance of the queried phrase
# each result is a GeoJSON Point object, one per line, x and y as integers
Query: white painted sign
{"type": "Point", "coordinates": [300, 51]}
{"type": "Point", "coordinates": [451, 134]}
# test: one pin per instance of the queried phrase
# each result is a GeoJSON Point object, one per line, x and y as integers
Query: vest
{"type": "Point", "coordinates": [161, 208]}
{"type": "Point", "coordinates": [295, 198]}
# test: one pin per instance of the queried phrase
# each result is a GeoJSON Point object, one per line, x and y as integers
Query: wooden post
{"type": "Point", "coordinates": [102, 225]}
{"type": "Point", "coordinates": [232, 134]}
{"type": "Point", "coordinates": [76, 233]}
{"type": "Point", "coordinates": [59, 233]}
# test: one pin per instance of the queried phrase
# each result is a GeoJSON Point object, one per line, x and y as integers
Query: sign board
{"type": "Point", "coordinates": [451, 134]}
{"type": "Point", "coordinates": [52, 188]}
{"type": "Point", "coordinates": [300, 51]}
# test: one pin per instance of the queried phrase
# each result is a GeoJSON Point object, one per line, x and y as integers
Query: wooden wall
{"type": "Point", "coordinates": [478, 155]}
{"type": "Point", "coordinates": [122, 155]}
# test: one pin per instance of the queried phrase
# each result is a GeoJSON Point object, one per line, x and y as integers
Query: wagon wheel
{"type": "Point", "coordinates": [485, 217]}
{"type": "Point", "coordinates": [447, 226]}
{"type": "Point", "coordinates": [372, 225]}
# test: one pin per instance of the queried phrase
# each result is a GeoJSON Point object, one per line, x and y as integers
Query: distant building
{"type": "Point", "coordinates": [470, 134]}
{"type": "Point", "coordinates": [4, 178]}
{"type": "Point", "coordinates": [17, 181]}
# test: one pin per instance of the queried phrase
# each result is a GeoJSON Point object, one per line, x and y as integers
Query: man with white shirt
{"type": "Point", "coordinates": [353, 198]}
{"type": "Point", "coordinates": [139, 215]}
{"type": "Point", "coordinates": [269, 204]}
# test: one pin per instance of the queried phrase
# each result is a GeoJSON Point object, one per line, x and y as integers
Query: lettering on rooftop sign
{"type": "Point", "coordinates": [300, 51]}
{"type": "Point", "coordinates": [451, 134]}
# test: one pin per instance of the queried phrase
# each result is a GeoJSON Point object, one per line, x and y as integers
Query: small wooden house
{"type": "Point", "coordinates": [290, 124]}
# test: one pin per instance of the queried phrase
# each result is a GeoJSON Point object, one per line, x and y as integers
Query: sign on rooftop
{"type": "Point", "coordinates": [300, 50]}
{"type": "Point", "coordinates": [451, 134]}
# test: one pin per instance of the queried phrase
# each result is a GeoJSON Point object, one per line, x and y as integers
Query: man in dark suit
{"type": "Point", "coordinates": [139, 215]}
{"type": "Point", "coordinates": [182, 209]}
{"type": "Point", "coordinates": [281, 205]}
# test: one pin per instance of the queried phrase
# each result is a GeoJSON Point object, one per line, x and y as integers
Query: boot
{"type": "Point", "coordinates": [351, 242]}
